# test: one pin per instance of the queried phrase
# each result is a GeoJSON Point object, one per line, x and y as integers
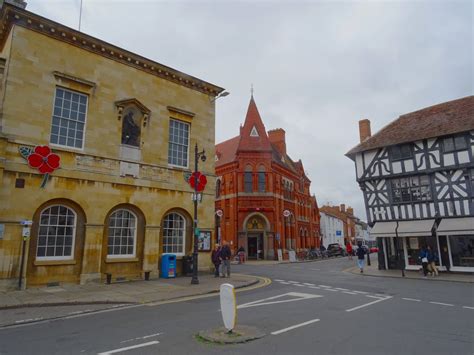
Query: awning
{"type": "Point", "coordinates": [416, 228]}
{"type": "Point", "coordinates": [456, 226]}
{"type": "Point", "coordinates": [383, 229]}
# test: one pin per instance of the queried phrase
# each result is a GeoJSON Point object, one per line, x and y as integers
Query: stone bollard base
{"type": "Point", "coordinates": [240, 334]}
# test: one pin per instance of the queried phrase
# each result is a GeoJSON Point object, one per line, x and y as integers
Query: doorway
{"type": "Point", "coordinates": [255, 246]}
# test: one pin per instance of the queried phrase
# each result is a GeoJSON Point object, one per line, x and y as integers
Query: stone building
{"type": "Point", "coordinates": [263, 200]}
{"type": "Point", "coordinates": [95, 142]}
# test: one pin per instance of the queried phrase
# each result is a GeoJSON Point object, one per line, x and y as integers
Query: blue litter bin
{"type": "Point", "coordinates": [168, 266]}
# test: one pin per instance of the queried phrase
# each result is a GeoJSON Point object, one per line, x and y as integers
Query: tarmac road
{"type": "Point", "coordinates": [309, 308]}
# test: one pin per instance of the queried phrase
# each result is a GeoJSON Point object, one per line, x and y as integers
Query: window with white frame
{"type": "Point", "coordinates": [122, 235]}
{"type": "Point", "coordinates": [69, 118]}
{"type": "Point", "coordinates": [174, 229]}
{"type": "Point", "coordinates": [178, 143]}
{"type": "Point", "coordinates": [56, 234]}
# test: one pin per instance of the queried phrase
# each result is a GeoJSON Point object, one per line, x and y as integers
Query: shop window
{"type": "Point", "coordinates": [57, 230]}
{"type": "Point", "coordinates": [69, 118]}
{"type": "Point", "coordinates": [462, 250]}
{"type": "Point", "coordinates": [174, 229]}
{"type": "Point", "coordinates": [411, 189]}
{"type": "Point", "coordinates": [122, 234]}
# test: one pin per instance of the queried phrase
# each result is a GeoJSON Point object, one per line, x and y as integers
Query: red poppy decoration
{"type": "Point", "coordinates": [198, 178]}
{"type": "Point", "coordinates": [43, 160]}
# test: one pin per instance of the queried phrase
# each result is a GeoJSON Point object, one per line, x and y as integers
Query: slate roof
{"type": "Point", "coordinates": [443, 119]}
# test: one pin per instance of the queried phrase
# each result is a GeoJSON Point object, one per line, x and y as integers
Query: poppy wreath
{"type": "Point", "coordinates": [201, 180]}
{"type": "Point", "coordinates": [41, 158]}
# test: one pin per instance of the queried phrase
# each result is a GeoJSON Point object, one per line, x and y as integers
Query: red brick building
{"type": "Point", "coordinates": [264, 195]}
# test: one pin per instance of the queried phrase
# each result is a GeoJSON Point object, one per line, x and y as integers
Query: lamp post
{"type": "Point", "coordinates": [197, 155]}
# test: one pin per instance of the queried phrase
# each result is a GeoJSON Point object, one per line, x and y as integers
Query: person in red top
{"type": "Point", "coordinates": [349, 250]}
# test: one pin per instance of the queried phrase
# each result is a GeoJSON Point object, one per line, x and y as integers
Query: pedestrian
{"type": "Point", "coordinates": [432, 258]}
{"type": "Point", "coordinates": [349, 250]}
{"type": "Point", "coordinates": [215, 259]}
{"type": "Point", "coordinates": [241, 254]}
{"type": "Point", "coordinates": [423, 256]}
{"type": "Point", "coordinates": [224, 257]}
{"type": "Point", "coordinates": [360, 257]}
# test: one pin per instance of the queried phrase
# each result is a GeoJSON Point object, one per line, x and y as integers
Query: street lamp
{"type": "Point", "coordinates": [222, 94]}
{"type": "Point", "coordinates": [197, 155]}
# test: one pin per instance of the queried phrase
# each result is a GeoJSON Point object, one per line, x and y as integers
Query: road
{"type": "Point", "coordinates": [309, 308]}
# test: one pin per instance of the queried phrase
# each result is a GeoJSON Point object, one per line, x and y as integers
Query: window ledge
{"type": "Point", "coordinates": [54, 262]}
{"type": "Point", "coordinates": [121, 260]}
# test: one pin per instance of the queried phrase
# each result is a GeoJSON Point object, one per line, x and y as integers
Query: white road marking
{"type": "Point", "coordinates": [285, 283]}
{"type": "Point", "coordinates": [315, 287]}
{"type": "Point", "coordinates": [324, 286]}
{"type": "Point", "coordinates": [411, 299]}
{"type": "Point", "coordinates": [129, 348]}
{"type": "Point", "coordinates": [349, 293]}
{"type": "Point", "coordinates": [278, 280]}
{"type": "Point", "coordinates": [331, 289]}
{"type": "Point", "coordinates": [307, 284]}
{"type": "Point", "coordinates": [300, 285]}
{"type": "Point", "coordinates": [467, 307]}
{"type": "Point", "coordinates": [140, 338]}
{"type": "Point", "coordinates": [377, 297]}
{"type": "Point", "coordinates": [362, 292]}
{"type": "Point", "coordinates": [28, 320]}
{"type": "Point", "coordinates": [296, 297]}
{"type": "Point", "coordinates": [294, 326]}
{"type": "Point", "coordinates": [443, 304]}
{"type": "Point", "coordinates": [368, 304]}
{"type": "Point", "coordinates": [293, 282]}
{"type": "Point", "coordinates": [341, 289]}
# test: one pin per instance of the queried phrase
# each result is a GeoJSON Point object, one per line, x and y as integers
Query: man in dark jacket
{"type": "Point", "coordinates": [360, 257]}
{"type": "Point", "coordinates": [224, 257]}
{"type": "Point", "coordinates": [215, 259]}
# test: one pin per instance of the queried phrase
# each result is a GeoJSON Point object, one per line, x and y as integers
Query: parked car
{"type": "Point", "coordinates": [336, 249]}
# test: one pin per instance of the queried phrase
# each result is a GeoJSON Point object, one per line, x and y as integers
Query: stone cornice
{"type": "Point", "coordinates": [11, 15]}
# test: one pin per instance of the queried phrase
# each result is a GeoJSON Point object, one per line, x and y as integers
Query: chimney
{"type": "Point", "coordinates": [343, 207]}
{"type": "Point", "coordinates": [277, 138]}
{"type": "Point", "coordinates": [350, 211]}
{"type": "Point", "coordinates": [18, 3]}
{"type": "Point", "coordinates": [364, 129]}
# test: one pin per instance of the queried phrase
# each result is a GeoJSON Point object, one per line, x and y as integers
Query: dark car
{"type": "Point", "coordinates": [336, 249]}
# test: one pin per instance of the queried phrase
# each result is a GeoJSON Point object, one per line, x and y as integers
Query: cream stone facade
{"type": "Point", "coordinates": [100, 178]}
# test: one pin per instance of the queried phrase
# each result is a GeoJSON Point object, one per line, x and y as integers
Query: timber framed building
{"type": "Point", "coordinates": [417, 177]}
{"type": "Point", "coordinates": [107, 133]}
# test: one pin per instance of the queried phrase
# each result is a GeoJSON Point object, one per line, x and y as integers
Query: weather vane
{"type": "Point", "coordinates": [251, 89]}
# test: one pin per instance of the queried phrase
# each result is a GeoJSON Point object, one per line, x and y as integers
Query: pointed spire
{"type": "Point", "coordinates": [253, 135]}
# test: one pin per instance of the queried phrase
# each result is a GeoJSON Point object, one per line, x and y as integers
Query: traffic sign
{"type": "Point", "coordinates": [286, 213]}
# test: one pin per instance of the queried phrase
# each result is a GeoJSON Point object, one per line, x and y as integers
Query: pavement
{"type": "Point", "coordinates": [373, 270]}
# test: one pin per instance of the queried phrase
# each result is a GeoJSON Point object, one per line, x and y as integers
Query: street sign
{"type": "Point", "coordinates": [219, 213]}
{"type": "Point", "coordinates": [286, 213]}
{"type": "Point", "coordinates": [25, 233]}
{"type": "Point", "coordinates": [26, 222]}
{"type": "Point", "coordinates": [197, 232]}
{"type": "Point", "coordinates": [338, 233]}
{"type": "Point", "coordinates": [277, 237]}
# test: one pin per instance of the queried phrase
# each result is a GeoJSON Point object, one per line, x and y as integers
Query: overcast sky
{"type": "Point", "coordinates": [317, 66]}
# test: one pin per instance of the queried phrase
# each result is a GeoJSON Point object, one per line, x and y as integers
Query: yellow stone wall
{"type": "Point", "coordinates": [91, 177]}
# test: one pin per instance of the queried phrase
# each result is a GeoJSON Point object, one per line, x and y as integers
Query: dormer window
{"type": "Point", "coordinates": [452, 144]}
{"type": "Point", "coordinates": [402, 151]}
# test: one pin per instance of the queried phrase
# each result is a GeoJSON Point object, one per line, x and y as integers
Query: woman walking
{"type": "Point", "coordinates": [349, 250]}
{"type": "Point", "coordinates": [432, 262]}
{"type": "Point", "coordinates": [215, 257]}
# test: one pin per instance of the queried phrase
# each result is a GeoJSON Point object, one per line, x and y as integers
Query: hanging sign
{"type": "Point", "coordinates": [286, 213]}
{"type": "Point", "coordinates": [219, 213]}
{"type": "Point", "coordinates": [41, 158]}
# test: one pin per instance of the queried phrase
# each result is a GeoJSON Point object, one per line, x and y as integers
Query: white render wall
{"type": "Point", "coordinates": [329, 226]}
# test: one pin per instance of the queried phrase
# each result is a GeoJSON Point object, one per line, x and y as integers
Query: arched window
{"type": "Point", "coordinates": [174, 228]}
{"type": "Point", "coordinates": [57, 231]}
{"type": "Point", "coordinates": [261, 179]}
{"type": "Point", "coordinates": [122, 238]}
{"type": "Point", "coordinates": [248, 179]}
{"type": "Point", "coordinates": [218, 188]}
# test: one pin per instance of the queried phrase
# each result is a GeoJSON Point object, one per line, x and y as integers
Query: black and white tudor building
{"type": "Point", "coordinates": [417, 177]}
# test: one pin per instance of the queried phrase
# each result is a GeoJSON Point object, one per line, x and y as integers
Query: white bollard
{"type": "Point", "coordinates": [228, 306]}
